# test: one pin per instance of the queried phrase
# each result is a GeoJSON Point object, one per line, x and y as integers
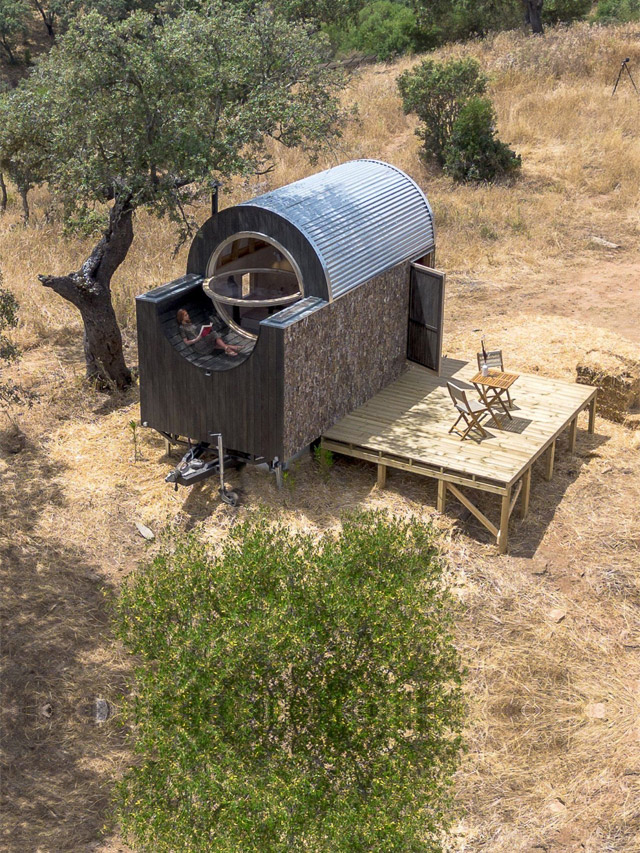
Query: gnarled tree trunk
{"type": "Point", "coordinates": [3, 194]}
{"type": "Point", "coordinates": [89, 289]}
{"type": "Point", "coordinates": [533, 15]}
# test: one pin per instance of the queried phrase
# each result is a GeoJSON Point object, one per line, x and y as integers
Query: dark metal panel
{"type": "Point", "coordinates": [426, 316]}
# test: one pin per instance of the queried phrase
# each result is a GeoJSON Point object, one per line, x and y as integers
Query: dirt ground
{"type": "Point", "coordinates": [550, 634]}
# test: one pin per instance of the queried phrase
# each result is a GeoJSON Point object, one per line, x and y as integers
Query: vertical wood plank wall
{"type": "Point", "coordinates": [299, 380]}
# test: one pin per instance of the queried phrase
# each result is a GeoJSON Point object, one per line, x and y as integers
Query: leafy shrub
{"type": "Point", "coordinates": [610, 11]}
{"type": "Point", "coordinates": [556, 11]}
{"type": "Point", "coordinates": [443, 21]}
{"type": "Point", "coordinates": [473, 152]}
{"type": "Point", "coordinates": [436, 92]}
{"type": "Point", "coordinates": [292, 695]}
{"type": "Point", "coordinates": [385, 29]}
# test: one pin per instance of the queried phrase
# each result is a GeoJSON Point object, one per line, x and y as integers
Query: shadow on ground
{"type": "Point", "coordinates": [525, 536]}
{"type": "Point", "coordinates": [58, 658]}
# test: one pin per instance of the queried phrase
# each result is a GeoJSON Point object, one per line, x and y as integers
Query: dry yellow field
{"type": "Point", "coordinates": [550, 635]}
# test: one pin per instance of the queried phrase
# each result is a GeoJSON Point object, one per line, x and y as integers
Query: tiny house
{"type": "Point", "coordinates": [325, 286]}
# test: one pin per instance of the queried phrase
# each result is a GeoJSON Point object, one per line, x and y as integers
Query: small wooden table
{"type": "Point", "coordinates": [499, 382]}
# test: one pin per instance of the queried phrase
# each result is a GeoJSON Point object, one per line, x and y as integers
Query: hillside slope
{"type": "Point", "coordinates": [554, 756]}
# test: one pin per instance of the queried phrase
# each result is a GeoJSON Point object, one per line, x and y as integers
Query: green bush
{"type": "Point", "coordinates": [610, 11]}
{"type": "Point", "coordinates": [436, 92]}
{"type": "Point", "coordinates": [557, 11]}
{"type": "Point", "coordinates": [293, 694]}
{"type": "Point", "coordinates": [443, 21]}
{"type": "Point", "coordinates": [385, 29]}
{"type": "Point", "coordinates": [473, 152]}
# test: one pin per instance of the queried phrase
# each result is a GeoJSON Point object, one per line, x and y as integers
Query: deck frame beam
{"type": "Point", "coordinates": [376, 421]}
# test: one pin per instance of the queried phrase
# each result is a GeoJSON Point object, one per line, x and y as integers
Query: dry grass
{"type": "Point", "coordinates": [554, 756]}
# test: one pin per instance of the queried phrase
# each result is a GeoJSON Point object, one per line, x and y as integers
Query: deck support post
{"type": "Point", "coordinates": [503, 533]}
{"type": "Point", "coordinates": [551, 457]}
{"type": "Point", "coordinates": [382, 475]}
{"type": "Point", "coordinates": [526, 492]}
{"type": "Point", "coordinates": [592, 414]}
{"type": "Point", "coordinates": [442, 495]}
{"type": "Point", "coordinates": [168, 447]}
{"type": "Point", "coordinates": [573, 432]}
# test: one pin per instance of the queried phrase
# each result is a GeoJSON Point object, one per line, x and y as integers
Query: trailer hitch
{"type": "Point", "coordinates": [192, 468]}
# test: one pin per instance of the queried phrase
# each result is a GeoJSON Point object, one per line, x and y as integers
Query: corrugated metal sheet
{"type": "Point", "coordinates": [362, 218]}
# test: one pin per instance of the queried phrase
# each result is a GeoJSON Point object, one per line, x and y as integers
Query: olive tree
{"type": "Point", "coordinates": [22, 152]}
{"type": "Point", "coordinates": [149, 112]}
{"type": "Point", "coordinates": [13, 25]}
{"type": "Point", "coordinates": [292, 694]}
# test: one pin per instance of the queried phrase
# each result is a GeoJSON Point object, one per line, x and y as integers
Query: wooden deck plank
{"type": "Point", "coordinates": [410, 419]}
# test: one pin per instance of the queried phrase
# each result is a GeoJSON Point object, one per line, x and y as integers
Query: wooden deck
{"type": "Point", "coordinates": [406, 426]}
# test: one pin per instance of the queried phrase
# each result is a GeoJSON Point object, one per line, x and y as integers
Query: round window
{"type": "Point", "coordinates": [250, 278]}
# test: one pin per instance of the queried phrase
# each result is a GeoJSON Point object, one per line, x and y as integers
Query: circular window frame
{"type": "Point", "coordinates": [223, 303]}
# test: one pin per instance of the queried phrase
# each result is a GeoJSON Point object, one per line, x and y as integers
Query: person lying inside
{"type": "Point", "coordinates": [205, 339]}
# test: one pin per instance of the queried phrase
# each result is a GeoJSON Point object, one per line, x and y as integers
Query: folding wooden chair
{"type": "Point", "coordinates": [470, 411]}
{"type": "Point", "coordinates": [494, 361]}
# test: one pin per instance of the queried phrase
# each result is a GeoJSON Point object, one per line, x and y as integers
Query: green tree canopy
{"type": "Point", "coordinates": [293, 695]}
{"type": "Point", "coordinates": [14, 15]}
{"type": "Point", "coordinates": [384, 28]}
{"type": "Point", "coordinates": [150, 111]}
{"type": "Point", "coordinates": [454, 20]}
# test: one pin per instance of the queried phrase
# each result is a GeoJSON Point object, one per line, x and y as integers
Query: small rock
{"type": "Point", "coordinates": [557, 614]}
{"type": "Point", "coordinates": [607, 244]}
{"type": "Point", "coordinates": [597, 711]}
{"type": "Point", "coordinates": [539, 567]}
{"type": "Point", "coordinates": [102, 710]}
{"type": "Point", "coordinates": [144, 531]}
{"type": "Point", "coordinates": [557, 806]}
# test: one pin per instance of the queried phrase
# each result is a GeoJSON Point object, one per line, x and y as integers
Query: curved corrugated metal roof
{"type": "Point", "coordinates": [362, 218]}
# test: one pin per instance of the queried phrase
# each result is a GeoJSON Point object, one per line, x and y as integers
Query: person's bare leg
{"type": "Point", "coordinates": [228, 349]}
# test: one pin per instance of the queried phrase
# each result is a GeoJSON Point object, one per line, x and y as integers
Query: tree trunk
{"type": "Point", "coordinates": [24, 191]}
{"type": "Point", "coordinates": [7, 46]}
{"type": "Point", "coordinates": [3, 194]}
{"type": "Point", "coordinates": [533, 15]}
{"type": "Point", "coordinates": [89, 289]}
{"type": "Point", "coordinates": [47, 17]}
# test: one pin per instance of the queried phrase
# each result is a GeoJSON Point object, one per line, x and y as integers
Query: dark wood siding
{"type": "Point", "coordinates": [426, 317]}
{"type": "Point", "coordinates": [180, 396]}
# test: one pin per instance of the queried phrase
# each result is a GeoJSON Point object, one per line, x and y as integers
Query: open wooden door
{"type": "Point", "coordinates": [426, 316]}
